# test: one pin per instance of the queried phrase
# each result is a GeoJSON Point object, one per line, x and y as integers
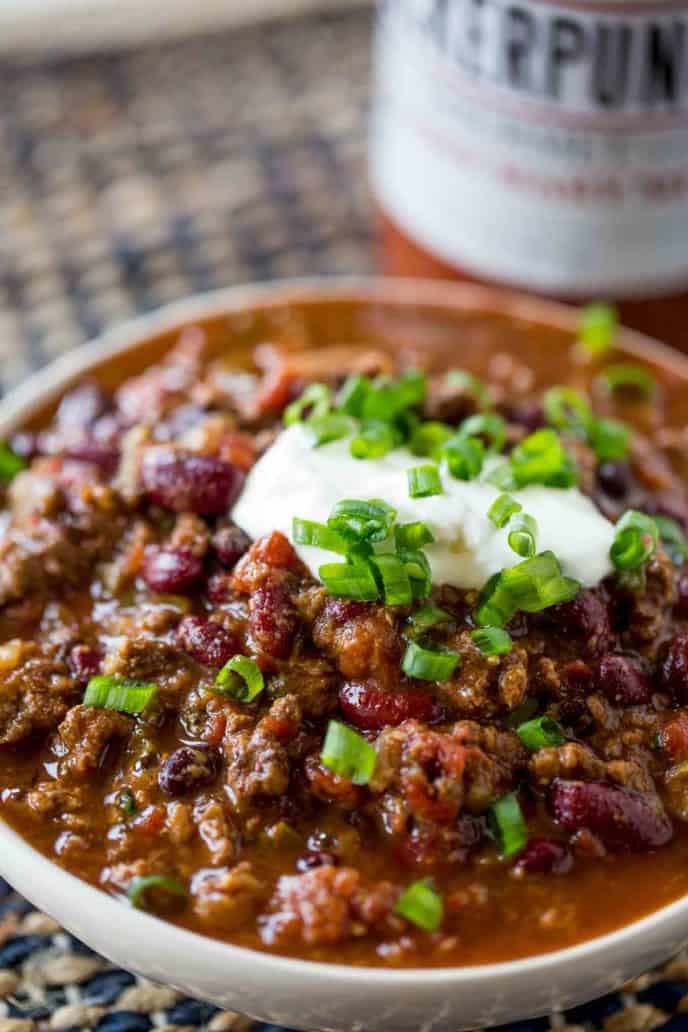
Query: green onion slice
{"type": "Point", "coordinates": [421, 905]}
{"type": "Point", "coordinates": [396, 585]}
{"type": "Point", "coordinates": [429, 438]}
{"type": "Point", "coordinates": [522, 533]}
{"type": "Point", "coordinates": [116, 693]}
{"type": "Point", "coordinates": [418, 570]}
{"type": "Point", "coordinates": [308, 532]}
{"type": "Point", "coordinates": [488, 425]}
{"type": "Point", "coordinates": [348, 754]}
{"type": "Point", "coordinates": [628, 377]}
{"type": "Point", "coordinates": [502, 509]}
{"type": "Point", "coordinates": [541, 458]}
{"type": "Point", "coordinates": [241, 678]}
{"type": "Point", "coordinates": [469, 384]}
{"type": "Point", "coordinates": [353, 394]}
{"type": "Point", "coordinates": [316, 400]}
{"type": "Point", "coordinates": [353, 579]}
{"type": "Point", "coordinates": [429, 664]}
{"type": "Point", "coordinates": [502, 477]}
{"type": "Point", "coordinates": [531, 586]}
{"type": "Point", "coordinates": [609, 439]}
{"type": "Point", "coordinates": [126, 802]}
{"type": "Point", "coordinates": [357, 521]}
{"type": "Point", "coordinates": [507, 825]}
{"type": "Point", "coordinates": [424, 481]}
{"type": "Point", "coordinates": [10, 463]}
{"type": "Point", "coordinates": [425, 618]}
{"type": "Point", "coordinates": [413, 535]}
{"type": "Point", "coordinates": [492, 641]}
{"type": "Point", "coordinates": [140, 890]}
{"type": "Point", "coordinates": [674, 541]}
{"type": "Point", "coordinates": [566, 409]}
{"type": "Point", "coordinates": [597, 329]}
{"type": "Point", "coordinates": [540, 733]}
{"type": "Point", "coordinates": [387, 399]}
{"type": "Point", "coordinates": [374, 440]}
{"type": "Point", "coordinates": [332, 427]}
{"type": "Point", "coordinates": [635, 540]}
{"type": "Point", "coordinates": [464, 456]}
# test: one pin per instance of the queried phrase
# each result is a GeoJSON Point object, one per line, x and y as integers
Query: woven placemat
{"type": "Point", "coordinates": [129, 181]}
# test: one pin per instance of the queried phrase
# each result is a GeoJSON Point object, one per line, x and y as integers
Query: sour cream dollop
{"type": "Point", "coordinates": [293, 478]}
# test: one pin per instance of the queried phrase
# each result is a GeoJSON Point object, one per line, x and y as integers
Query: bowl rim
{"type": "Point", "coordinates": [46, 386]}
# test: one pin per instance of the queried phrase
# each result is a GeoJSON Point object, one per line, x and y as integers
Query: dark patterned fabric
{"type": "Point", "coordinates": [129, 181]}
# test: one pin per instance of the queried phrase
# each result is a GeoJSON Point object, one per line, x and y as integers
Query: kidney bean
{"type": "Point", "coordinates": [586, 619]}
{"type": "Point", "coordinates": [614, 478]}
{"type": "Point", "coordinates": [188, 768]}
{"type": "Point", "coordinates": [623, 680]}
{"type": "Point", "coordinates": [529, 414]}
{"type": "Point", "coordinates": [372, 709]}
{"type": "Point", "coordinates": [673, 668]}
{"type": "Point", "coordinates": [230, 543]}
{"type": "Point", "coordinates": [681, 605]}
{"type": "Point", "coordinates": [171, 571]}
{"type": "Point", "coordinates": [544, 856]}
{"type": "Point", "coordinates": [84, 662]}
{"type": "Point", "coordinates": [95, 452]}
{"type": "Point", "coordinates": [620, 817]}
{"type": "Point", "coordinates": [340, 611]}
{"type": "Point", "coordinates": [206, 641]}
{"type": "Point", "coordinates": [187, 482]}
{"type": "Point", "coordinates": [273, 620]}
{"type": "Point", "coordinates": [81, 407]}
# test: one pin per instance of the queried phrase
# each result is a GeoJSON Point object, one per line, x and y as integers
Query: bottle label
{"type": "Point", "coordinates": [538, 142]}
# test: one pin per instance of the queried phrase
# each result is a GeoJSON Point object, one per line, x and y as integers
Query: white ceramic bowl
{"type": "Point", "coordinates": [300, 994]}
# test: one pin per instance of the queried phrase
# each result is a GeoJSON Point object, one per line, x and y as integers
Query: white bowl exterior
{"type": "Point", "coordinates": [299, 994]}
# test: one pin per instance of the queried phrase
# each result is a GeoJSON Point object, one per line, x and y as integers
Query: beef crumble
{"type": "Point", "coordinates": [120, 561]}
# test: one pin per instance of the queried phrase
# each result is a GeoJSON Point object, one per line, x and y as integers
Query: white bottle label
{"type": "Point", "coordinates": [542, 143]}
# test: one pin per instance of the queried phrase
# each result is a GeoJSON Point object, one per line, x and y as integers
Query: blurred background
{"type": "Point", "coordinates": [147, 153]}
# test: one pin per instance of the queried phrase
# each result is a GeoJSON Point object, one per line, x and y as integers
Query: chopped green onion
{"type": "Point", "coordinates": [353, 394]}
{"type": "Point", "coordinates": [470, 385]}
{"type": "Point", "coordinates": [418, 570]}
{"type": "Point", "coordinates": [566, 409]}
{"type": "Point", "coordinates": [502, 477]}
{"type": "Point", "coordinates": [332, 427]}
{"type": "Point", "coordinates": [127, 802]}
{"type": "Point", "coordinates": [541, 733]}
{"type": "Point", "coordinates": [140, 889]}
{"type": "Point", "coordinates": [531, 586]}
{"type": "Point", "coordinates": [386, 399]}
{"type": "Point", "coordinates": [348, 754]}
{"type": "Point", "coordinates": [541, 458]}
{"type": "Point", "coordinates": [609, 439]}
{"type": "Point", "coordinates": [116, 693]}
{"type": "Point", "coordinates": [635, 540]}
{"type": "Point", "coordinates": [674, 541]}
{"type": "Point", "coordinates": [507, 825]}
{"type": "Point", "coordinates": [356, 520]}
{"type": "Point", "coordinates": [316, 400]}
{"type": "Point", "coordinates": [354, 580]}
{"type": "Point", "coordinates": [421, 905]}
{"type": "Point", "coordinates": [308, 532]}
{"type": "Point", "coordinates": [488, 425]}
{"type": "Point", "coordinates": [396, 586]}
{"type": "Point", "coordinates": [464, 457]}
{"type": "Point", "coordinates": [627, 376]}
{"type": "Point", "coordinates": [425, 618]}
{"type": "Point", "coordinates": [241, 678]}
{"type": "Point", "coordinates": [10, 463]}
{"type": "Point", "coordinates": [374, 440]}
{"type": "Point", "coordinates": [424, 481]}
{"type": "Point", "coordinates": [502, 509]}
{"type": "Point", "coordinates": [413, 535]}
{"type": "Point", "coordinates": [522, 532]}
{"type": "Point", "coordinates": [525, 711]}
{"type": "Point", "coordinates": [428, 439]}
{"type": "Point", "coordinates": [429, 664]}
{"type": "Point", "coordinates": [597, 329]}
{"type": "Point", "coordinates": [492, 641]}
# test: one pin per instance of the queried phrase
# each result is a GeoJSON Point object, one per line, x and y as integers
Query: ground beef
{"type": "Point", "coordinates": [85, 737]}
{"type": "Point", "coordinates": [36, 691]}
